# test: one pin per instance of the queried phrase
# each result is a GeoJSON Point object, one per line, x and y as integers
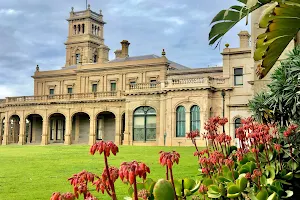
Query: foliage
{"type": "Point", "coordinates": [281, 104]}
{"type": "Point", "coordinates": [263, 167]}
{"type": "Point", "coordinates": [281, 21]}
{"type": "Point", "coordinates": [128, 173]}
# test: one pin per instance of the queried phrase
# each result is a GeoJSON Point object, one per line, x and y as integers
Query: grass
{"type": "Point", "coordinates": [35, 172]}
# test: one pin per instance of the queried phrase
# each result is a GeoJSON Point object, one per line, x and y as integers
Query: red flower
{"type": "Point", "coordinates": [168, 158]}
{"type": "Point", "coordinates": [203, 189]}
{"type": "Point", "coordinates": [277, 147]}
{"type": "Point", "coordinates": [130, 170]}
{"type": "Point", "coordinates": [105, 147]}
{"type": "Point", "coordinates": [193, 134]}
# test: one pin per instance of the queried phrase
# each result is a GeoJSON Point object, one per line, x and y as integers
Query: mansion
{"type": "Point", "coordinates": [131, 100]}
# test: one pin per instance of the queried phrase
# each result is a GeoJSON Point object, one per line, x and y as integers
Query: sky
{"type": "Point", "coordinates": [33, 32]}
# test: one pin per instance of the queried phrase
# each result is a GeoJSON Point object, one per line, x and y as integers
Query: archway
{"type": "Point", "coordinates": [57, 128]}
{"type": "Point", "coordinates": [2, 130]}
{"type": "Point", "coordinates": [106, 126]}
{"type": "Point", "coordinates": [14, 129]}
{"type": "Point", "coordinates": [34, 128]}
{"type": "Point", "coordinates": [122, 128]}
{"type": "Point", "coordinates": [80, 128]}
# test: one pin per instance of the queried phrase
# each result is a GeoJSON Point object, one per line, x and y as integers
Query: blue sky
{"type": "Point", "coordinates": [34, 31]}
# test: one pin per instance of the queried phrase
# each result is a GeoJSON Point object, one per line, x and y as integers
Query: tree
{"type": "Point", "coordinates": [281, 19]}
{"type": "Point", "coordinates": [282, 103]}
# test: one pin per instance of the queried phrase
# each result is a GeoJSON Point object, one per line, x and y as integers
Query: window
{"type": "Point", "coordinates": [94, 87]}
{"type": "Point", "coordinates": [132, 84]}
{"type": "Point", "coordinates": [180, 122]}
{"type": "Point", "coordinates": [237, 123]}
{"type": "Point", "coordinates": [70, 90]}
{"type": "Point", "coordinates": [92, 28]}
{"type": "Point", "coordinates": [77, 58]}
{"type": "Point", "coordinates": [79, 29]}
{"type": "Point", "coordinates": [144, 124]}
{"type": "Point", "coordinates": [82, 28]}
{"type": "Point", "coordinates": [153, 83]}
{"type": "Point", "coordinates": [113, 86]}
{"type": "Point", "coordinates": [238, 76]}
{"type": "Point", "coordinates": [95, 58]}
{"type": "Point", "coordinates": [51, 91]}
{"type": "Point", "coordinates": [195, 118]}
{"type": "Point", "coordinates": [74, 29]}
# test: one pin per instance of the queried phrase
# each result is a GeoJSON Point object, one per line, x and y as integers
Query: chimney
{"type": "Point", "coordinates": [125, 48]}
{"type": "Point", "coordinates": [118, 53]}
{"type": "Point", "coordinates": [244, 39]}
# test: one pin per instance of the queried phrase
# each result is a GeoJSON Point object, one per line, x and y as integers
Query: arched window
{"type": "Point", "coordinates": [144, 124]}
{"type": "Point", "coordinates": [78, 28]}
{"type": "Point", "coordinates": [82, 28]}
{"type": "Point", "coordinates": [237, 123]}
{"type": "Point", "coordinates": [195, 118]}
{"type": "Point", "coordinates": [180, 121]}
{"type": "Point", "coordinates": [95, 58]}
{"type": "Point", "coordinates": [98, 31]}
{"type": "Point", "coordinates": [92, 28]}
{"type": "Point", "coordinates": [75, 29]}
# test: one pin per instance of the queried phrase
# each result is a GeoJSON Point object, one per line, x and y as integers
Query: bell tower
{"type": "Point", "coordinates": [85, 43]}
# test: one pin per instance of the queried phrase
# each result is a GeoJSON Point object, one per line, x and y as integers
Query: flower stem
{"type": "Point", "coordinates": [167, 172]}
{"type": "Point", "coordinates": [171, 174]}
{"type": "Point", "coordinates": [113, 194]}
{"type": "Point", "coordinates": [135, 189]}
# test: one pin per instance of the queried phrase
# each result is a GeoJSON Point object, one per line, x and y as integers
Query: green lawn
{"type": "Point", "coordinates": [34, 172]}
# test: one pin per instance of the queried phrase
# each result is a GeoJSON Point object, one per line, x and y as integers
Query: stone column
{"type": "Point", "coordinates": [68, 130]}
{"type": "Point", "coordinates": [22, 131]}
{"type": "Point", "coordinates": [170, 131]}
{"type": "Point", "coordinates": [92, 137]}
{"type": "Point", "coordinates": [29, 136]}
{"type": "Point", "coordinates": [127, 139]}
{"type": "Point", "coordinates": [77, 126]}
{"type": "Point", "coordinates": [1, 128]}
{"type": "Point", "coordinates": [161, 121]}
{"type": "Point", "coordinates": [187, 121]}
{"type": "Point", "coordinates": [6, 130]}
{"type": "Point", "coordinates": [45, 131]}
{"type": "Point", "coordinates": [118, 128]}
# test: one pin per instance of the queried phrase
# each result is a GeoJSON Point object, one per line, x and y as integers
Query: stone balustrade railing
{"type": "Point", "coordinates": [139, 86]}
{"type": "Point", "coordinates": [63, 97]}
{"type": "Point", "coordinates": [152, 86]}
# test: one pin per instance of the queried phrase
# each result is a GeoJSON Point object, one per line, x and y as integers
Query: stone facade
{"type": "Point", "coordinates": [141, 100]}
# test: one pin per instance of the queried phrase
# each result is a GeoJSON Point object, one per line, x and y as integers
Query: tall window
{"type": "Point", "coordinates": [92, 28]}
{"type": "Point", "coordinates": [75, 29]}
{"type": "Point", "coordinates": [237, 123]}
{"type": "Point", "coordinates": [70, 90]}
{"type": "Point", "coordinates": [77, 58]}
{"type": "Point", "coordinates": [144, 124]}
{"type": "Point", "coordinates": [238, 76]}
{"type": "Point", "coordinates": [82, 28]}
{"type": "Point", "coordinates": [113, 86]}
{"type": "Point", "coordinates": [78, 28]}
{"type": "Point", "coordinates": [180, 121]}
{"type": "Point", "coordinates": [195, 118]}
{"type": "Point", "coordinates": [94, 87]}
{"type": "Point", "coordinates": [51, 91]}
{"type": "Point", "coordinates": [95, 58]}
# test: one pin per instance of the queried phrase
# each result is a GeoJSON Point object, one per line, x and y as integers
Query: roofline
{"type": "Point", "coordinates": [196, 70]}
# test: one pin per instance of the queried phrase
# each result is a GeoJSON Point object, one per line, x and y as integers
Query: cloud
{"type": "Point", "coordinates": [33, 32]}
{"type": "Point", "coordinates": [9, 12]}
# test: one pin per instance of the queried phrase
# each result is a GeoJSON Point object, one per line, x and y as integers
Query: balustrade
{"type": "Point", "coordinates": [61, 97]}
